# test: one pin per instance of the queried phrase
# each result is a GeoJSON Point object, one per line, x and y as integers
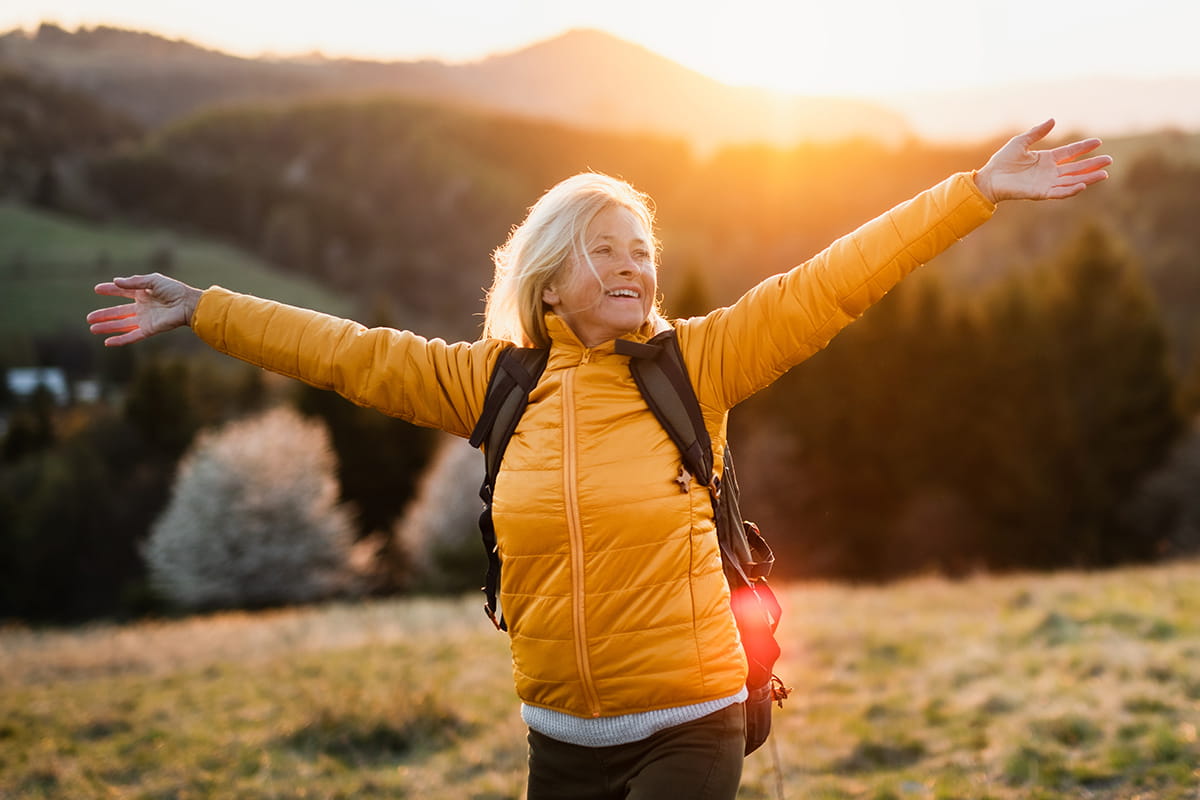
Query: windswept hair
{"type": "Point", "coordinates": [541, 246]}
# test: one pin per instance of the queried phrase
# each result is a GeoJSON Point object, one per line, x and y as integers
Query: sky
{"type": "Point", "coordinates": [867, 48]}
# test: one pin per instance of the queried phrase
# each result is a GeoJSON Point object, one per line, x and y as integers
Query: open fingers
{"type": "Point", "coordinates": [137, 281]}
{"type": "Point", "coordinates": [1073, 150]}
{"type": "Point", "coordinates": [112, 290]}
{"type": "Point", "coordinates": [126, 327]}
{"type": "Point", "coordinates": [1086, 178]}
{"type": "Point", "coordinates": [1037, 132]}
{"type": "Point", "coordinates": [126, 286]}
{"type": "Point", "coordinates": [135, 335]}
{"type": "Point", "coordinates": [1057, 193]}
{"type": "Point", "coordinates": [1072, 185]}
{"type": "Point", "coordinates": [116, 326]}
{"type": "Point", "coordinates": [123, 311]}
{"type": "Point", "coordinates": [1087, 165]}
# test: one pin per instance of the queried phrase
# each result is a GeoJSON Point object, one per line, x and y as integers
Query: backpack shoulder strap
{"type": "Point", "coordinates": [516, 373]}
{"type": "Point", "coordinates": [662, 378]}
{"type": "Point", "coordinates": [661, 375]}
{"type": "Point", "coordinates": [513, 378]}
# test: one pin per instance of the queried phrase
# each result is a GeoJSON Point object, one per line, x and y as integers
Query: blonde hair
{"type": "Point", "coordinates": [538, 249]}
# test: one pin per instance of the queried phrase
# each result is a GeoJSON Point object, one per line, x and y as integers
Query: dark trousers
{"type": "Point", "coordinates": [700, 760]}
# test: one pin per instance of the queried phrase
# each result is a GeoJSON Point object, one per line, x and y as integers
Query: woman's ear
{"type": "Point", "coordinates": [550, 296]}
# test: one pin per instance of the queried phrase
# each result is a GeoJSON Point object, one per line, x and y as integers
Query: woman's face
{"type": "Point", "coordinates": [618, 296]}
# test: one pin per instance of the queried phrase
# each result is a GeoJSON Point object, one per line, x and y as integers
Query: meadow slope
{"type": "Point", "coordinates": [1030, 686]}
{"type": "Point", "coordinates": [50, 262]}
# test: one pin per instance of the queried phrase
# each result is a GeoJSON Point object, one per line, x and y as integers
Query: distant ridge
{"type": "Point", "coordinates": [592, 78]}
{"type": "Point", "coordinates": [584, 78]}
{"type": "Point", "coordinates": [1096, 106]}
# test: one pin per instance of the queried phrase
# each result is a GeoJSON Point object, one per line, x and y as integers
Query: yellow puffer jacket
{"type": "Point", "coordinates": [611, 578]}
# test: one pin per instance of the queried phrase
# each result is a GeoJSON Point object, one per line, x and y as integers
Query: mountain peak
{"type": "Point", "coordinates": [588, 49]}
{"type": "Point", "coordinates": [585, 38]}
{"type": "Point", "coordinates": [582, 77]}
{"type": "Point", "coordinates": [592, 78]}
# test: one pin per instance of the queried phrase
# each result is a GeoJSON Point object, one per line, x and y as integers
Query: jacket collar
{"type": "Point", "coordinates": [567, 351]}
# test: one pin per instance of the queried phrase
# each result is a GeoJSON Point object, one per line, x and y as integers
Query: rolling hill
{"type": "Point", "coordinates": [584, 78]}
{"type": "Point", "coordinates": [49, 263]}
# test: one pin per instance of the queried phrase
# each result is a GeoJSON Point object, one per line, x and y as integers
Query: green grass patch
{"type": "Point", "coordinates": [364, 739]}
{"type": "Point", "coordinates": [872, 756]}
{"type": "Point", "coordinates": [1029, 765]}
{"type": "Point", "coordinates": [1070, 730]}
{"type": "Point", "coordinates": [50, 262]}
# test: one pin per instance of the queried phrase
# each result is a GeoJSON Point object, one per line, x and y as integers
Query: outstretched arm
{"type": "Point", "coordinates": [159, 304]}
{"type": "Point", "coordinates": [786, 318]}
{"type": "Point", "coordinates": [1017, 172]}
{"type": "Point", "coordinates": [426, 382]}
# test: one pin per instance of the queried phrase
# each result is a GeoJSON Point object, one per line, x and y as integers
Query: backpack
{"type": "Point", "coordinates": [661, 376]}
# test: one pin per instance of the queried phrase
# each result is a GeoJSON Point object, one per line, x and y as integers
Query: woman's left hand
{"type": "Point", "coordinates": [1017, 172]}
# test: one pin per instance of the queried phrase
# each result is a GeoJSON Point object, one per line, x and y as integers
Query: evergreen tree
{"type": "Point", "coordinates": [1012, 471]}
{"type": "Point", "coordinates": [927, 436]}
{"type": "Point", "coordinates": [1079, 399]}
{"type": "Point", "coordinates": [71, 518]}
{"type": "Point", "coordinates": [158, 405]}
{"type": "Point", "coordinates": [1166, 508]}
{"type": "Point", "coordinates": [379, 458]}
{"type": "Point", "coordinates": [1116, 390]}
{"type": "Point", "coordinates": [30, 428]}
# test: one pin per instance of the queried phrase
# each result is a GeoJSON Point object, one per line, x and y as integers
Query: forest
{"type": "Point", "coordinates": [1027, 401]}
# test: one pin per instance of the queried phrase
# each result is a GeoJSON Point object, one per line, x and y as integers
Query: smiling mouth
{"type": "Point", "coordinates": [625, 293]}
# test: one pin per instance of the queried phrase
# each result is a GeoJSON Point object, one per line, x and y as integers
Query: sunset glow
{"type": "Point", "coordinates": [855, 47]}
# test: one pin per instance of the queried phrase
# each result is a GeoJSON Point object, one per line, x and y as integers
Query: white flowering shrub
{"type": "Point", "coordinates": [254, 519]}
{"type": "Point", "coordinates": [439, 530]}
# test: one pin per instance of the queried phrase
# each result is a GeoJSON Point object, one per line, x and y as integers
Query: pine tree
{"type": "Point", "coordinates": [1116, 389]}
{"type": "Point", "coordinates": [1166, 508]}
{"type": "Point", "coordinates": [1080, 401]}
{"type": "Point", "coordinates": [158, 404]}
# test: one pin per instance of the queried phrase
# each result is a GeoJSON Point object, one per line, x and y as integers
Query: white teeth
{"type": "Point", "coordinates": [624, 293]}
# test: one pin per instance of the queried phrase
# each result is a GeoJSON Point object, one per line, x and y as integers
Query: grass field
{"type": "Point", "coordinates": [1058, 686]}
{"type": "Point", "coordinates": [49, 264]}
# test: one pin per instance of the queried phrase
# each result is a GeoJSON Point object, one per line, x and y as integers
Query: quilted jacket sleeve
{"type": "Point", "coordinates": [424, 381]}
{"type": "Point", "coordinates": [733, 352]}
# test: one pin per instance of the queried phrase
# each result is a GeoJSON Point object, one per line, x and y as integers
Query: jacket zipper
{"type": "Point", "coordinates": [575, 532]}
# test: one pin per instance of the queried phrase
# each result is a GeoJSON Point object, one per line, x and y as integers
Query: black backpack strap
{"type": "Point", "coordinates": [516, 373]}
{"type": "Point", "coordinates": [661, 375]}
{"type": "Point", "coordinates": [746, 553]}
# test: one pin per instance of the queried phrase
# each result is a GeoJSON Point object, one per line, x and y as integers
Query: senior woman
{"type": "Point", "coordinates": [625, 653]}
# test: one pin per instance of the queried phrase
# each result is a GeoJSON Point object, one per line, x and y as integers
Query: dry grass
{"type": "Point", "coordinates": [1071, 685]}
{"type": "Point", "coordinates": [1068, 685]}
{"type": "Point", "coordinates": [157, 648]}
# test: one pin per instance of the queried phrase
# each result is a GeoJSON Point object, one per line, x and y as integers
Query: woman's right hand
{"type": "Point", "coordinates": [159, 304]}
